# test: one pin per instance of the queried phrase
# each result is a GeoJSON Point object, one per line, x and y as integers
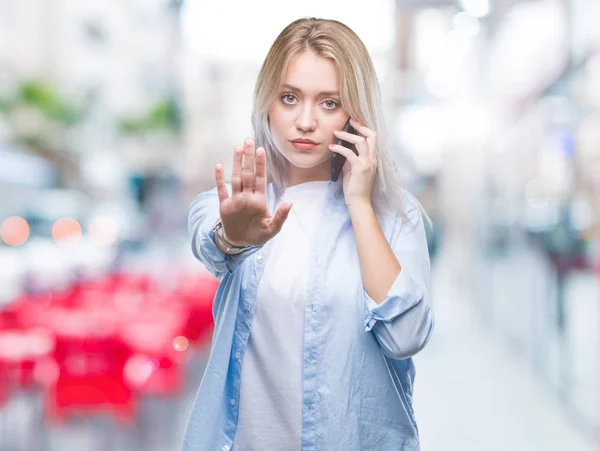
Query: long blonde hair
{"type": "Point", "coordinates": [359, 94]}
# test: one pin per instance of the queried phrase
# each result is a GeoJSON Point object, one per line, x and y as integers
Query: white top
{"type": "Point", "coordinates": [270, 405]}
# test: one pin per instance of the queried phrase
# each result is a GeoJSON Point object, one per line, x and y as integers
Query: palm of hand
{"type": "Point", "coordinates": [245, 217]}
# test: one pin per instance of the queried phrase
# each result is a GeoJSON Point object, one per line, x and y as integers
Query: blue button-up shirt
{"type": "Point", "coordinates": [357, 368]}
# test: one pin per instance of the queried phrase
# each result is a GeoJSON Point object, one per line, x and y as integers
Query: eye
{"type": "Point", "coordinates": [330, 104]}
{"type": "Point", "coordinates": [286, 97]}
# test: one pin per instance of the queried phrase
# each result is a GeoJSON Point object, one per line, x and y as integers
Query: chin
{"type": "Point", "coordinates": [307, 161]}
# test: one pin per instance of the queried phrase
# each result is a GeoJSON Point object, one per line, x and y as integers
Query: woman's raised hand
{"type": "Point", "coordinates": [245, 216]}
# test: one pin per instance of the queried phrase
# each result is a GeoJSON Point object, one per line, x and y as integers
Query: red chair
{"type": "Point", "coordinates": [20, 352]}
{"type": "Point", "coordinates": [157, 365]}
{"type": "Point", "coordinates": [197, 295]}
{"type": "Point", "coordinates": [91, 359]}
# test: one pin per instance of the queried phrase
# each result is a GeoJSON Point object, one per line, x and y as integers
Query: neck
{"type": "Point", "coordinates": [299, 175]}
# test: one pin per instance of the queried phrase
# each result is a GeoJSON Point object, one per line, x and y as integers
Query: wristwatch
{"type": "Point", "coordinates": [229, 248]}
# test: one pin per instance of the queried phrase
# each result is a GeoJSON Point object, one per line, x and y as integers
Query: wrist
{"type": "Point", "coordinates": [223, 244]}
{"type": "Point", "coordinates": [231, 242]}
{"type": "Point", "coordinates": [360, 207]}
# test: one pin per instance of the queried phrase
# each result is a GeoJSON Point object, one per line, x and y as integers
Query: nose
{"type": "Point", "coordinates": [306, 120]}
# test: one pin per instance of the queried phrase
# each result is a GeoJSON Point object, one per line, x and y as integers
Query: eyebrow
{"type": "Point", "coordinates": [323, 93]}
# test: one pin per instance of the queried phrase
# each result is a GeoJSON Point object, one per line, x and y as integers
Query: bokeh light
{"type": "Point", "coordinates": [180, 343]}
{"type": "Point", "coordinates": [138, 369]}
{"type": "Point", "coordinates": [102, 231]}
{"type": "Point", "coordinates": [14, 231]}
{"type": "Point", "coordinates": [66, 230]}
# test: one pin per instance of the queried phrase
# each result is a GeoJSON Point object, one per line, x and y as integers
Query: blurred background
{"type": "Point", "coordinates": [113, 115]}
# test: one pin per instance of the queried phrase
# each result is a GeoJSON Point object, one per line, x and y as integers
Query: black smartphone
{"type": "Point", "coordinates": [338, 160]}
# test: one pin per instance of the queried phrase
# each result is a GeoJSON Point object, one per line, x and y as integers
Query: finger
{"type": "Point", "coordinates": [248, 169]}
{"type": "Point", "coordinates": [236, 175]}
{"type": "Point", "coordinates": [221, 186]}
{"type": "Point", "coordinates": [362, 129]}
{"type": "Point", "coordinates": [351, 157]}
{"type": "Point", "coordinates": [350, 137]}
{"type": "Point", "coordinates": [279, 217]}
{"type": "Point", "coordinates": [370, 136]}
{"type": "Point", "coordinates": [359, 141]}
{"type": "Point", "coordinates": [261, 171]}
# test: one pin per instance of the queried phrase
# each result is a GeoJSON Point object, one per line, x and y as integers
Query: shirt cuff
{"type": "Point", "coordinates": [214, 254]}
{"type": "Point", "coordinates": [404, 294]}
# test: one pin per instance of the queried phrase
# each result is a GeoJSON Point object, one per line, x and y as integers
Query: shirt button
{"type": "Point", "coordinates": [226, 448]}
{"type": "Point", "coordinates": [259, 259]}
{"type": "Point", "coordinates": [238, 354]}
{"type": "Point", "coordinates": [232, 402]}
{"type": "Point", "coordinates": [247, 305]}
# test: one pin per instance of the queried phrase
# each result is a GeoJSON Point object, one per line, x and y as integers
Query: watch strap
{"type": "Point", "coordinates": [229, 247]}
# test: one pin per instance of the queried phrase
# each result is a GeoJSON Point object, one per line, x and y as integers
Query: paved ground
{"type": "Point", "coordinates": [473, 393]}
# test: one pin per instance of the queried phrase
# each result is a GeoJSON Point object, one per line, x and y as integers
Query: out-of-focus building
{"type": "Point", "coordinates": [498, 102]}
{"type": "Point", "coordinates": [118, 60]}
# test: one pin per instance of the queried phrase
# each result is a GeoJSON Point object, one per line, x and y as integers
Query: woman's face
{"type": "Point", "coordinates": [308, 107]}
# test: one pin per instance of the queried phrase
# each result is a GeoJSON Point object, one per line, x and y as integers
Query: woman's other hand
{"type": "Point", "coordinates": [359, 170]}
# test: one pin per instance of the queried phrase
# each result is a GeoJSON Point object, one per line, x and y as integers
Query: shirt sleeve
{"type": "Point", "coordinates": [403, 322]}
{"type": "Point", "coordinates": [203, 216]}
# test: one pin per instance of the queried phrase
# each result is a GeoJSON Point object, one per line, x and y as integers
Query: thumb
{"type": "Point", "coordinates": [280, 216]}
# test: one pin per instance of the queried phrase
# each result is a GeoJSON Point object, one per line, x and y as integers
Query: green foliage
{"type": "Point", "coordinates": [43, 97]}
{"type": "Point", "coordinates": [163, 116]}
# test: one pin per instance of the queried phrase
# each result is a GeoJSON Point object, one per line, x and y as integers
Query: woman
{"type": "Point", "coordinates": [320, 305]}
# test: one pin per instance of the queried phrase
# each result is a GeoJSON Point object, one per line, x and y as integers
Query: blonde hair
{"type": "Point", "coordinates": [359, 94]}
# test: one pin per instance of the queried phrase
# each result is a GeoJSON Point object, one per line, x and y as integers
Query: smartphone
{"type": "Point", "coordinates": [338, 160]}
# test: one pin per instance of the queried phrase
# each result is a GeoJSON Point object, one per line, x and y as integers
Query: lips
{"type": "Point", "coordinates": [304, 144]}
{"type": "Point", "coordinates": [304, 141]}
